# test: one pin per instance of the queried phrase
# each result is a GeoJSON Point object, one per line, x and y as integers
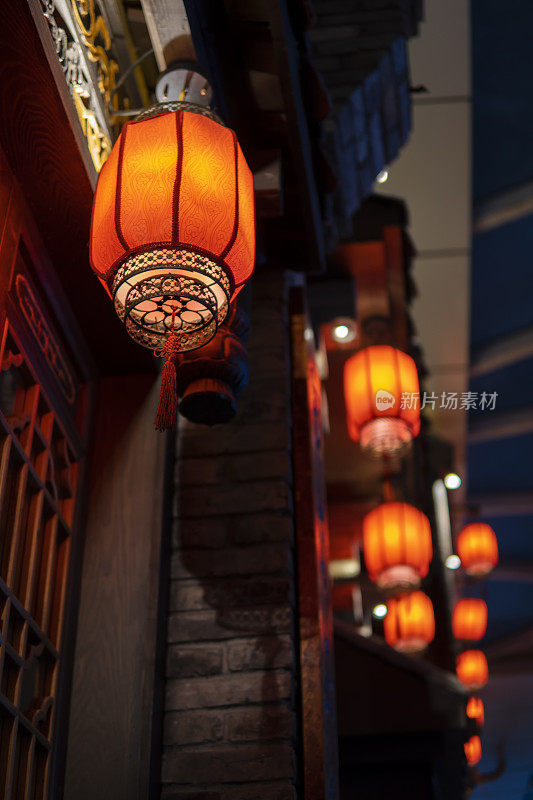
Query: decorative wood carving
{"type": "Point", "coordinates": [82, 44]}
{"type": "Point", "coordinates": [36, 518]}
{"type": "Point", "coordinates": [43, 414]}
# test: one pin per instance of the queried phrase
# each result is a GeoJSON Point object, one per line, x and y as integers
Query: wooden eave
{"type": "Point", "coordinates": [43, 149]}
{"type": "Point", "coordinates": [236, 42]}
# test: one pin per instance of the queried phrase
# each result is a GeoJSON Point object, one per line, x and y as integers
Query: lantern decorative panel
{"type": "Point", "coordinates": [477, 547]}
{"type": "Point", "coordinates": [472, 669]}
{"type": "Point", "coordinates": [382, 394]}
{"type": "Point", "coordinates": [409, 624]}
{"type": "Point", "coordinates": [473, 750]}
{"type": "Point", "coordinates": [475, 710]}
{"type": "Point", "coordinates": [173, 227]}
{"type": "Point", "coordinates": [469, 620]}
{"type": "Point", "coordinates": [397, 545]}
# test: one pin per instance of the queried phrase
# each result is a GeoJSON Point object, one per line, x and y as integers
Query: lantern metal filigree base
{"type": "Point", "coordinates": [162, 290]}
{"type": "Point", "coordinates": [385, 435]}
{"type": "Point", "coordinates": [411, 645]}
{"type": "Point", "coordinates": [401, 576]}
{"type": "Point", "coordinates": [480, 569]}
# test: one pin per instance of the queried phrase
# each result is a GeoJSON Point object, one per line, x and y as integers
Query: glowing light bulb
{"type": "Point", "coordinates": [341, 332]}
{"type": "Point", "coordinates": [452, 481]}
{"type": "Point", "coordinates": [380, 610]}
{"type": "Point", "coordinates": [453, 562]}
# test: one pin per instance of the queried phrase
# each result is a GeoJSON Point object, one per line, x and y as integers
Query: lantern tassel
{"type": "Point", "coordinates": [168, 396]}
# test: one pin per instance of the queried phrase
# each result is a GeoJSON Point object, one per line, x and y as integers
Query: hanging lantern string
{"type": "Point", "coordinates": [168, 395]}
{"type": "Point", "coordinates": [387, 485]}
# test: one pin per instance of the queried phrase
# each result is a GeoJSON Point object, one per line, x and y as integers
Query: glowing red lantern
{"type": "Point", "coordinates": [473, 750]}
{"type": "Point", "coordinates": [409, 624]}
{"type": "Point", "coordinates": [210, 379]}
{"type": "Point", "coordinates": [472, 669]}
{"type": "Point", "coordinates": [173, 231]}
{"type": "Point", "coordinates": [469, 620]}
{"type": "Point", "coordinates": [477, 547]}
{"type": "Point", "coordinates": [381, 393]}
{"type": "Point", "coordinates": [475, 710]}
{"type": "Point", "coordinates": [397, 545]}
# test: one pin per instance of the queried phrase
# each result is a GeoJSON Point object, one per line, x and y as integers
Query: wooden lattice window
{"type": "Point", "coordinates": [40, 451]}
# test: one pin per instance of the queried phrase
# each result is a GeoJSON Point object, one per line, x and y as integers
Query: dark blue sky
{"type": "Point", "coordinates": [501, 304]}
{"type": "Point", "coordinates": [502, 44]}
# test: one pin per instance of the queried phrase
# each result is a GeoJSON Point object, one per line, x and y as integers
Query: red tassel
{"type": "Point", "coordinates": [168, 395]}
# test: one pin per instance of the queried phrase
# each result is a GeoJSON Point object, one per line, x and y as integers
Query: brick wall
{"type": "Point", "coordinates": [230, 706]}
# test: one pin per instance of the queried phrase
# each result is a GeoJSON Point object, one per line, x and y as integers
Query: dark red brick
{"type": "Point", "coordinates": [187, 661]}
{"type": "Point", "coordinates": [193, 727]}
{"type": "Point", "coordinates": [190, 595]}
{"type": "Point", "coordinates": [263, 527]}
{"type": "Point", "coordinates": [202, 501]}
{"type": "Point", "coordinates": [211, 532]}
{"type": "Point", "coordinates": [271, 790]}
{"type": "Point", "coordinates": [256, 559]}
{"type": "Point", "coordinates": [219, 624]}
{"type": "Point", "coordinates": [247, 762]}
{"type": "Point", "coordinates": [264, 652]}
{"type": "Point", "coordinates": [228, 690]}
{"type": "Point", "coordinates": [216, 532]}
{"type": "Point", "coordinates": [250, 723]}
{"type": "Point", "coordinates": [235, 438]}
{"type": "Point", "coordinates": [240, 467]}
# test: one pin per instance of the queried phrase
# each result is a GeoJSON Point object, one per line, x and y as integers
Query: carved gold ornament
{"type": "Point", "coordinates": [82, 42]}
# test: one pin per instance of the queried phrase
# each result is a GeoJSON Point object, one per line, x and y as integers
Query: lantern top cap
{"type": "Point", "coordinates": [389, 505]}
{"type": "Point", "coordinates": [184, 80]}
{"type": "Point", "coordinates": [478, 526]}
{"type": "Point", "coordinates": [170, 106]}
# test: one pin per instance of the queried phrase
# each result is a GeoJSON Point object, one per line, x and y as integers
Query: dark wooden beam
{"type": "Point", "coordinates": [288, 64]}
{"type": "Point", "coordinates": [223, 45]}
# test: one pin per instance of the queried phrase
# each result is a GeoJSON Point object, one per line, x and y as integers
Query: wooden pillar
{"type": "Point", "coordinates": [114, 694]}
{"type": "Point", "coordinates": [315, 634]}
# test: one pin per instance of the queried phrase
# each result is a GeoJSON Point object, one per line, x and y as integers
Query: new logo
{"type": "Point", "coordinates": [384, 400]}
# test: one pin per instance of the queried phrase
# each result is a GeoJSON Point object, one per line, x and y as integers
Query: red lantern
{"type": "Point", "coordinates": [475, 710]}
{"type": "Point", "coordinates": [473, 750]}
{"type": "Point", "coordinates": [409, 624]}
{"type": "Point", "coordinates": [397, 545]}
{"type": "Point", "coordinates": [210, 379]}
{"type": "Point", "coordinates": [472, 669]}
{"type": "Point", "coordinates": [173, 231]}
{"type": "Point", "coordinates": [477, 547]}
{"type": "Point", "coordinates": [382, 395]}
{"type": "Point", "coordinates": [469, 620]}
